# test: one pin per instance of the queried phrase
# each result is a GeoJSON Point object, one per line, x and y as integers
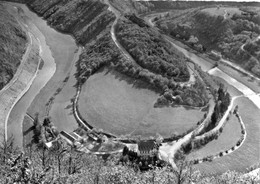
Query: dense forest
{"type": "Point", "coordinates": [234, 34]}
{"type": "Point", "coordinates": [12, 46]}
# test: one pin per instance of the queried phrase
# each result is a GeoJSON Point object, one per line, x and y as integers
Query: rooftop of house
{"type": "Point", "coordinates": [144, 146]}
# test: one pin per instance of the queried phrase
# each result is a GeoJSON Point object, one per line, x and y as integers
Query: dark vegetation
{"type": "Point", "coordinates": [63, 164]}
{"type": "Point", "coordinates": [12, 46]}
{"type": "Point", "coordinates": [204, 31]}
{"type": "Point", "coordinates": [126, 6]}
{"type": "Point", "coordinates": [162, 6]}
{"type": "Point", "coordinates": [85, 20]}
{"type": "Point", "coordinates": [166, 66]}
{"type": "Point", "coordinates": [220, 108]}
{"type": "Point", "coordinates": [151, 51]}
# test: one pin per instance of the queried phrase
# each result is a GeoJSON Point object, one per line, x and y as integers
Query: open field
{"type": "Point", "coordinates": [221, 11]}
{"type": "Point", "coordinates": [249, 153]}
{"type": "Point", "coordinates": [120, 105]}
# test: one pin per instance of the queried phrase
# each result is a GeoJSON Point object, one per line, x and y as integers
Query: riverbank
{"type": "Point", "coordinates": [19, 84]}
{"type": "Point", "coordinates": [59, 52]}
{"type": "Point", "coordinates": [62, 49]}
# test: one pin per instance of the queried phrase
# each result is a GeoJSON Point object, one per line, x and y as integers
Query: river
{"type": "Point", "coordinates": [55, 48]}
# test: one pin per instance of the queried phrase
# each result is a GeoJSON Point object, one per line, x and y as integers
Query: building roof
{"type": "Point", "coordinates": [146, 145]}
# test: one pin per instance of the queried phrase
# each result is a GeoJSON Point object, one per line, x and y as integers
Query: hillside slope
{"type": "Point", "coordinates": [90, 21]}
{"type": "Point", "coordinates": [85, 20]}
{"type": "Point", "coordinates": [12, 46]}
{"type": "Point", "coordinates": [232, 31]}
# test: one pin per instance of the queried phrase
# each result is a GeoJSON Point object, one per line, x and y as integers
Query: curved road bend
{"type": "Point", "coordinates": [128, 56]}
{"type": "Point", "coordinates": [113, 34]}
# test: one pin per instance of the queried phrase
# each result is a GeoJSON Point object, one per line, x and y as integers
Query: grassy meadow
{"type": "Point", "coordinates": [118, 104]}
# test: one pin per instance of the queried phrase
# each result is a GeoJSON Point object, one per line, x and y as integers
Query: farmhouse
{"type": "Point", "coordinates": [145, 156]}
{"type": "Point", "coordinates": [147, 148]}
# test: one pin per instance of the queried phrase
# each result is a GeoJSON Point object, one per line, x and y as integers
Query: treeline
{"type": "Point", "coordinates": [222, 103]}
{"type": "Point", "coordinates": [12, 46]}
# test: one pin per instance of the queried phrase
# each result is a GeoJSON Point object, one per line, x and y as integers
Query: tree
{"type": "Point", "coordinates": [37, 129]}
{"type": "Point", "coordinates": [184, 171]}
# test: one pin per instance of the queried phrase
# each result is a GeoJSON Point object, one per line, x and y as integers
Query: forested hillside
{"type": "Point", "coordinates": [231, 31]}
{"type": "Point", "coordinates": [12, 46]}
{"type": "Point", "coordinates": [85, 20]}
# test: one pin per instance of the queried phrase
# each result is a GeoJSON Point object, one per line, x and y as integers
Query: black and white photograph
{"type": "Point", "coordinates": [129, 91]}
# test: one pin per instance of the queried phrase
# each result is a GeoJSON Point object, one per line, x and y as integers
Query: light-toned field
{"type": "Point", "coordinates": [221, 11]}
{"type": "Point", "coordinates": [120, 105]}
{"type": "Point", "coordinates": [249, 153]}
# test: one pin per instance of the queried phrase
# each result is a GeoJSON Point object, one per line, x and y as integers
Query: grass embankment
{"type": "Point", "coordinates": [12, 46]}
{"type": "Point", "coordinates": [121, 105]}
{"type": "Point", "coordinates": [223, 29]}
